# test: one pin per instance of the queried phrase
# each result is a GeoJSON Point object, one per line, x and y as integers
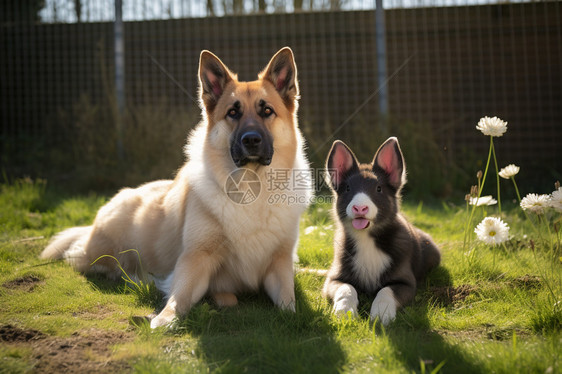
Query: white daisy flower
{"type": "Point", "coordinates": [492, 231]}
{"type": "Point", "coordinates": [556, 199]}
{"type": "Point", "coordinates": [509, 171]}
{"type": "Point", "coordinates": [310, 229]}
{"type": "Point", "coordinates": [535, 203]}
{"type": "Point", "coordinates": [492, 126]}
{"type": "Point", "coordinates": [483, 200]}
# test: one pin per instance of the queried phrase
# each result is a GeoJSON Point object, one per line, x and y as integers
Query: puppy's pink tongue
{"type": "Point", "coordinates": [360, 223]}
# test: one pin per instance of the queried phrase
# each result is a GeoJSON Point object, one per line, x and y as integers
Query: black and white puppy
{"type": "Point", "coordinates": [376, 250]}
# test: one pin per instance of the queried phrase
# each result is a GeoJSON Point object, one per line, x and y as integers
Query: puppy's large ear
{"type": "Point", "coordinates": [340, 164]}
{"type": "Point", "coordinates": [390, 161]}
{"type": "Point", "coordinates": [282, 73]}
{"type": "Point", "coordinates": [213, 78]}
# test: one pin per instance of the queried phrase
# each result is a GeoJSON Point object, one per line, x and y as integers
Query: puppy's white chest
{"type": "Point", "coordinates": [369, 261]}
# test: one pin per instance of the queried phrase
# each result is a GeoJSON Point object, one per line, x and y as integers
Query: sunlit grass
{"type": "Point", "coordinates": [492, 310]}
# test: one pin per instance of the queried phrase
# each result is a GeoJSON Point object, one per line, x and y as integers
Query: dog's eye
{"type": "Point", "coordinates": [233, 113]}
{"type": "Point", "coordinates": [267, 111]}
{"type": "Point", "coordinates": [379, 189]}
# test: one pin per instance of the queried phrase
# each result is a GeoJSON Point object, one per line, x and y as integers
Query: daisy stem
{"type": "Point", "coordinates": [505, 247]}
{"type": "Point", "coordinates": [524, 211]}
{"type": "Point", "coordinates": [543, 274]}
{"type": "Point", "coordinates": [543, 218]}
{"type": "Point", "coordinates": [466, 225]}
{"type": "Point", "coordinates": [516, 189]}
{"type": "Point", "coordinates": [497, 174]}
{"type": "Point", "coordinates": [557, 230]}
{"type": "Point", "coordinates": [481, 187]}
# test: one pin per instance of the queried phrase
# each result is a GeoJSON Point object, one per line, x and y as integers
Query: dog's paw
{"type": "Point", "coordinates": [345, 308]}
{"type": "Point", "coordinates": [164, 319]}
{"type": "Point", "coordinates": [288, 306]}
{"type": "Point", "coordinates": [384, 306]}
{"type": "Point", "coordinates": [345, 301]}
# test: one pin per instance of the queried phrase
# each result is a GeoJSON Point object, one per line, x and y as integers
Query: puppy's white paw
{"type": "Point", "coordinates": [163, 319]}
{"type": "Point", "coordinates": [384, 306]}
{"type": "Point", "coordinates": [344, 306]}
{"type": "Point", "coordinates": [345, 300]}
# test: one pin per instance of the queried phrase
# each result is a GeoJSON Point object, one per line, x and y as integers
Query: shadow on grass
{"type": "Point", "coordinates": [146, 294]}
{"type": "Point", "coordinates": [255, 336]}
{"type": "Point", "coordinates": [415, 342]}
{"type": "Point", "coordinates": [103, 284]}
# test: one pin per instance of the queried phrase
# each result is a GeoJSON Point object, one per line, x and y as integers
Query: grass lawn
{"type": "Point", "coordinates": [484, 310]}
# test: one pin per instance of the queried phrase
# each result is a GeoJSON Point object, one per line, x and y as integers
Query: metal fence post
{"type": "Point", "coordinates": [380, 34]}
{"type": "Point", "coordinates": [119, 48]}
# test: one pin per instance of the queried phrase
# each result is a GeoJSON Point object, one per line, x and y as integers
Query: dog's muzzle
{"type": "Point", "coordinates": [251, 146]}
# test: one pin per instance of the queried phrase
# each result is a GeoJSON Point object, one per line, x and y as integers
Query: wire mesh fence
{"type": "Point", "coordinates": [448, 63]}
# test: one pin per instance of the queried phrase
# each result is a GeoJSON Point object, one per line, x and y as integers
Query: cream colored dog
{"type": "Point", "coordinates": [192, 236]}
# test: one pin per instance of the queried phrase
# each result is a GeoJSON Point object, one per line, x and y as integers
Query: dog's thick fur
{"type": "Point", "coordinates": [377, 251]}
{"type": "Point", "coordinates": [190, 235]}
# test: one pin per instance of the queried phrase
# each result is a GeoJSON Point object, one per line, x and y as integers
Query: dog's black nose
{"type": "Point", "coordinates": [251, 139]}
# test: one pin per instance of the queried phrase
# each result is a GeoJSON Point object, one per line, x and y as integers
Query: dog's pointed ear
{"type": "Point", "coordinates": [340, 164]}
{"type": "Point", "coordinates": [213, 78]}
{"type": "Point", "coordinates": [390, 161]}
{"type": "Point", "coordinates": [282, 73]}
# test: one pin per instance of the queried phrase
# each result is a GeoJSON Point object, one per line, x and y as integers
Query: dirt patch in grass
{"type": "Point", "coordinates": [449, 295]}
{"type": "Point", "coordinates": [498, 333]}
{"type": "Point", "coordinates": [528, 282]}
{"type": "Point", "coordinates": [452, 295]}
{"type": "Point", "coordinates": [463, 335]}
{"type": "Point", "coordinates": [488, 331]}
{"type": "Point", "coordinates": [100, 312]}
{"type": "Point", "coordinates": [83, 352]}
{"type": "Point", "coordinates": [26, 283]}
{"type": "Point", "coordinates": [11, 334]}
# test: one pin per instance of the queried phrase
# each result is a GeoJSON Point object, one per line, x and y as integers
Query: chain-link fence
{"type": "Point", "coordinates": [446, 64]}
